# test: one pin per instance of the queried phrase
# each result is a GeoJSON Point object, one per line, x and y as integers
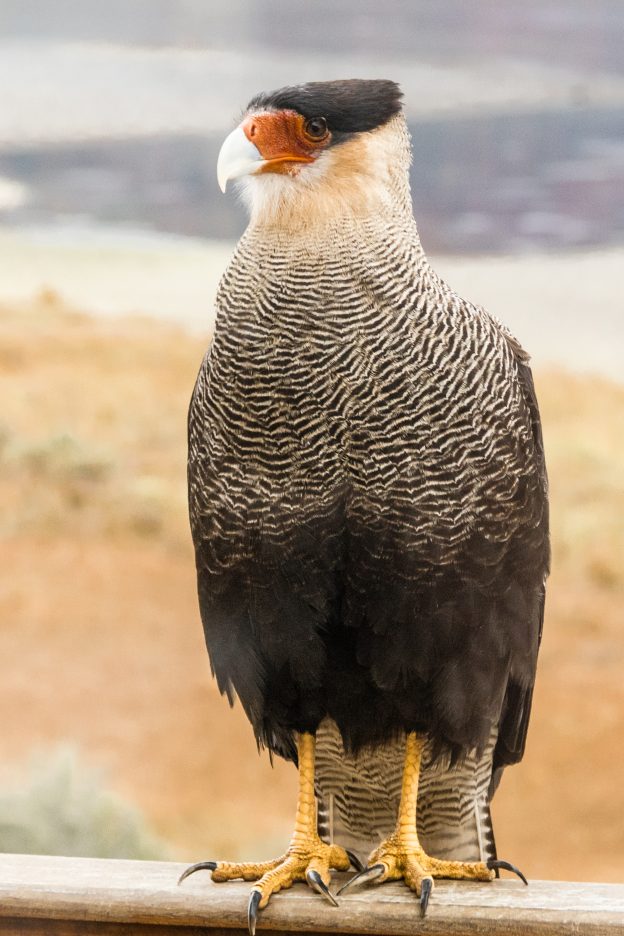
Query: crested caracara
{"type": "Point", "coordinates": [368, 504]}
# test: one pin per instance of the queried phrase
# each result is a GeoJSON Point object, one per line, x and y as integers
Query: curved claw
{"type": "Point", "coordinates": [200, 866]}
{"type": "Point", "coordinates": [252, 911]}
{"type": "Point", "coordinates": [425, 892]}
{"type": "Point", "coordinates": [368, 874]}
{"type": "Point", "coordinates": [355, 861]}
{"type": "Point", "coordinates": [495, 863]}
{"type": "Point", "coordinates": [317, 884]}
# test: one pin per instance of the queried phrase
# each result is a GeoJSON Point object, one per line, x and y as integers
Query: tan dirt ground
{"type": "Point", "coordinates": [101, 642]}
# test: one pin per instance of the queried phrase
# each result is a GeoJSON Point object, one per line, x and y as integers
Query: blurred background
{"type": "Point", "coordinates": [113, 235]}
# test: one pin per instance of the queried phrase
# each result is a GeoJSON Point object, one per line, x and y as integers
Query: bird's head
{"type": "Point", "coordinates": [318, 148]}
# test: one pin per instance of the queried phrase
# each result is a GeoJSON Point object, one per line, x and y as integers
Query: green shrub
{"type": "Point", "coordinates": [60, 456]}
{"type": "Point", "coordinates": [61, 808]}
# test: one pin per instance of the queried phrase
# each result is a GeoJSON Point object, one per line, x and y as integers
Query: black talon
{"type": "Point", "coordinates": [495, 863]}
{"type": "Point", "coordinates": [317, 884]}
{"type": "Point", "coordinates": [200, 866]}
{"type": "Point", "coordinates": [252, 911]}
{"type": "Point", "coordinates": [368, 874]}
{"type": "Point", "coordinates": [355, 861]}
{"type": "Point", "coordinates": [425, 892]}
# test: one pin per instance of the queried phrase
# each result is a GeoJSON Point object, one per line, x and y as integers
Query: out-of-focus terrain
{"type": "Point", "coordinates": [115, 114]}
{"type": "Point", "coordinates": [101, 641]}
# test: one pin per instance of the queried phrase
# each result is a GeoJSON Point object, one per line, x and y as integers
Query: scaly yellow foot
{"type": "Point", "coordinates": [400, 856]}
{"type": "Point", "coordinates": [396, 860]}
{"type": "Point", "coordinates": [307, 858]}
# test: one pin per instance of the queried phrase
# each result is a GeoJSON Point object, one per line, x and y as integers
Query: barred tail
{"type": "Point", "coordinates": [358, 800]}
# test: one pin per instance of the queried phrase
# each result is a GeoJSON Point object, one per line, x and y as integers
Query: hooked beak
{"type": "Point", "coordinates": [265, 142]}
{"type": "Point", "coordinates": [238, 157]}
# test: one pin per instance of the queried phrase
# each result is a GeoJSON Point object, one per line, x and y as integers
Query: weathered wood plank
{"type": "Point", "coordinates": [19, 926]}
{"type": "Point", "coordinates": [91, 897]}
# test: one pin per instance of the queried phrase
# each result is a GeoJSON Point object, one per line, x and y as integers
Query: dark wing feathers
{"type": "Point", "coordinates": [516, 711]}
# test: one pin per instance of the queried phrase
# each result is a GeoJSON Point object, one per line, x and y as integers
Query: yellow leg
{"type": "Point", "coordinates": [307, 858]}
{"type": "Point", "coordinates": [401, 855]}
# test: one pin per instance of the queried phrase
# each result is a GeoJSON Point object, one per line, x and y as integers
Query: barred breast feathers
{"type": "Point", "coordinates": [322, 307]}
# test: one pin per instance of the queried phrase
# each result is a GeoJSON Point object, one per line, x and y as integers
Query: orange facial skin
{"type": "Point", "coordinates": [282, 140]}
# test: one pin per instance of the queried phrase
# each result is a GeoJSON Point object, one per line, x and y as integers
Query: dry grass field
{"type": "Point", "coordinates": [101, 642]}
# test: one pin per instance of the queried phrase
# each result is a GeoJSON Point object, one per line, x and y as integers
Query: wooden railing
{"type": "Point", "coordinates": [41, 896]}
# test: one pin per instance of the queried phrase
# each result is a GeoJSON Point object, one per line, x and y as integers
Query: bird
{"type": "Point", "coordinates": [368, 503]}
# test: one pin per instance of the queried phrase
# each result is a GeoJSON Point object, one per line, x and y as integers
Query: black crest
{"type": "Point", "coordinates": [351, 106]}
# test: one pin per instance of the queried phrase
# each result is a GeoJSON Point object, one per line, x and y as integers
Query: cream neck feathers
{"type": "Point", "coordinates": [366, 175]}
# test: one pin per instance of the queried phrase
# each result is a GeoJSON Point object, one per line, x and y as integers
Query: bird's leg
{"type": "Point", "coordinates": [401, 855]}
{"type": "Point", "coordinates": [307, 858]}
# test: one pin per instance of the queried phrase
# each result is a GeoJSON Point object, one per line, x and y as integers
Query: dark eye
{"type": "Point", "coordinates": [316, 127]}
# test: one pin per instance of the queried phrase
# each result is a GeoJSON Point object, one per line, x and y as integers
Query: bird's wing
{"type": "Point", "coordinates": [516, 711]}
{"type": "Point", "coordinates": [359, 795]}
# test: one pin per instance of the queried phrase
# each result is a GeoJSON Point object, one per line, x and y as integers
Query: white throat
{"type": "Point", "coordinates": [368, 173]}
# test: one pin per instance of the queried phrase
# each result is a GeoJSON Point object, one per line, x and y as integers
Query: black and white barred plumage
{"type": "Point", "coordinates": [367, 493]}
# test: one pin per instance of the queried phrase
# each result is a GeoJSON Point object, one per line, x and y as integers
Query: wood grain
{"type": "Point", "coordinates": [94, 897]}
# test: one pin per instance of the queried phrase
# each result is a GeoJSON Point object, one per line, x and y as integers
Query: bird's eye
{"type": "Point", "coordinates": [316, 127]}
